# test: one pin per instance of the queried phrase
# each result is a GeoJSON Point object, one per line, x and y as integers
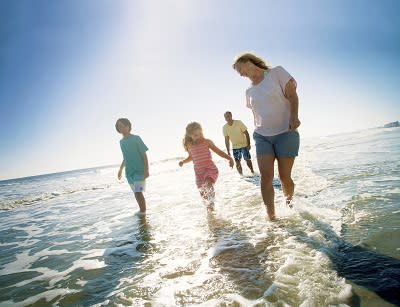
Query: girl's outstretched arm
{"type": "Point", "coordinates": [187, 160]}
{"type": "Point", "coordinates": [219, 152]}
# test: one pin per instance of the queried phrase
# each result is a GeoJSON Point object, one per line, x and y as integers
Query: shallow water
{"type": "Point", "coordinates": [72, 239]}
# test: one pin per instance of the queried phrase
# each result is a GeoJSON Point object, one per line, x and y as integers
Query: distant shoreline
{"type": "Point", "coordinates": [393, 124]}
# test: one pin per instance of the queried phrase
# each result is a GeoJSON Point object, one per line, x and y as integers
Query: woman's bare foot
{"type": "Point", "coordinates": [270, 212]}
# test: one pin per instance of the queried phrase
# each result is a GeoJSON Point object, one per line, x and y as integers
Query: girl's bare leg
{"type": "Point", "coordinates": [207, 192]}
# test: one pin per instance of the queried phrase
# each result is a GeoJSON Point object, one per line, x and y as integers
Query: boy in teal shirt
{"type": "Point", "coordinates": [135, 161]}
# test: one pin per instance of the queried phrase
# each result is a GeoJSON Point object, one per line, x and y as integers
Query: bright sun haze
{"type": "Point", "coordinates": [70, 69]}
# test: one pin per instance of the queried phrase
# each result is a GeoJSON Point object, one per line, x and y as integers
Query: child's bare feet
{"type": "Point", "coordinates": [140, 213]}
{"type": "Point", "coordinates": [289, 202]}
{"type": "Point", "coordinates": [270, 218]}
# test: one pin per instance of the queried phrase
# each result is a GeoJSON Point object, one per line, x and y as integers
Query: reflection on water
{"type": "Point", "coordinates": [256, 180]}
{"type": "Point", "coordinates": [238, 259]}
{"type": "Point", "coordinates": [123, 262]}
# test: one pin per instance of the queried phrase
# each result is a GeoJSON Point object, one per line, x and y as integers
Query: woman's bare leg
{"type": "Point", "coordinates": [285, 166]}
{"type": "Point", "coordinates": [266, 167]}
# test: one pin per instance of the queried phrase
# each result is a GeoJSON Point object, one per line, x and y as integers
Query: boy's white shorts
{"type": "Point", "coordinates": [138, 186]}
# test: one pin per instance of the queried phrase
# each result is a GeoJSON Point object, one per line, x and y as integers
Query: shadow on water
{"type": "Point", "coordinates": [235, 257]}
{"type": "Point", "coordinates": [256, 180]}
{"type": "Point", "coordinates": [122, 260]}
{"type": "Point", "coordinates": [376, 272]}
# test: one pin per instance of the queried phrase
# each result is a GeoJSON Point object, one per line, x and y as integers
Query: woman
{"type": "Point", "coordinates": [273, 99]}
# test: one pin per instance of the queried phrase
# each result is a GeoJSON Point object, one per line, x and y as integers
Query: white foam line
{"type": "Point", "coordinates": [48, 296]}
{"type": "Point", "coordinates": [53, 276]}
{"type": "Point", "coordinates": [244, 270]}
{"type": "Point", "coordinates": [271, 289]}
{"type": "Point", "coordinates": [20, 264]}
{"type": "Point", "coordinates": [85, 264]}
{"type": "Point", "coordinates": [24, 262]}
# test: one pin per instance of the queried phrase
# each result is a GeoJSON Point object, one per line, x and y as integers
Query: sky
{"type": "Point", "coordinates": [69, 69]}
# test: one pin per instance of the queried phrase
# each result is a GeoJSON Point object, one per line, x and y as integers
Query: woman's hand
{"type": "Point", "coordinates": [120, 174]}
{"type": "Point", "coordinates": [180, 163]}
{"type": "Point", "coordinates": [294, 123]}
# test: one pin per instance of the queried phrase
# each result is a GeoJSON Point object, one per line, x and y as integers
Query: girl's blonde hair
{"type": "Point", "coordinates": [251, 57]}
{"type": "Point", "coordinates": [187, 140]}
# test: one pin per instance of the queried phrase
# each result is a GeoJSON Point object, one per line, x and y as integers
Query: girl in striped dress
{"type": "Point", "coordinates": [205, 170]}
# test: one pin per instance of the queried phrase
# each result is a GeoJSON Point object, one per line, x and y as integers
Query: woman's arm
{"type": "Point", "coordinates": [187, 160]}
{"type": "Point", "coordinates": [291, 95]}
{"type": "Point", "coordinates": [219, 152]}
{"type": "Point", "coordinates": [146, 166]}
{"type": "Point", "coordinates": [120, 169]}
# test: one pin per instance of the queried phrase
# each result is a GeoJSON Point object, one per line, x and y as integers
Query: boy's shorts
{"type": "Point", "coordinates": [138, 186]}
{"type": "Point", "coordinates": [239, 152]}
{"type": "Point", "coordinates": [285, 145]}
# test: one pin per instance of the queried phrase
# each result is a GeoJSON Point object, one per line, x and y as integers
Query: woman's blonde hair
{"type": "Point", "coordinates": [251, 57]}
{"type": "Point", "coordinates": [187, 140]}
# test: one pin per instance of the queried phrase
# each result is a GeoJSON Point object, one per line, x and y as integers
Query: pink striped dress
{"type": "Point", "coordinates": [204, 167]}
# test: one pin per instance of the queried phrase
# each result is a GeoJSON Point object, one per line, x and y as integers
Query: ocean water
{"type": "Point", "coordinates": [73, 239]}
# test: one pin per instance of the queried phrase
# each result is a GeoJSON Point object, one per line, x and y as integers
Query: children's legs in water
{"type": "Point", "coordinates": [141, 201]}
{"type": "Point", "coordinates": [207, 192]}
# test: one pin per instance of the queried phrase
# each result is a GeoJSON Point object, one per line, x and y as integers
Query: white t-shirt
{"type": "Point", "coordinates": [267, 100]}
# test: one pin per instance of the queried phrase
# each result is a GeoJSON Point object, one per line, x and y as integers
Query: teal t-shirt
{"type": "Point", "coordinates": [133, 149]}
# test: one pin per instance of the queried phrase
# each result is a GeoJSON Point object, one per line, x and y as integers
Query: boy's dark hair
{"type": "Point", "coordinates": [125, 122]}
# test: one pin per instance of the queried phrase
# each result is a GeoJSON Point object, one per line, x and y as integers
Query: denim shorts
{"type": "Point", "coordinates": [239, 152]}
{"type": "Point", "coordinates": [283, 145]}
